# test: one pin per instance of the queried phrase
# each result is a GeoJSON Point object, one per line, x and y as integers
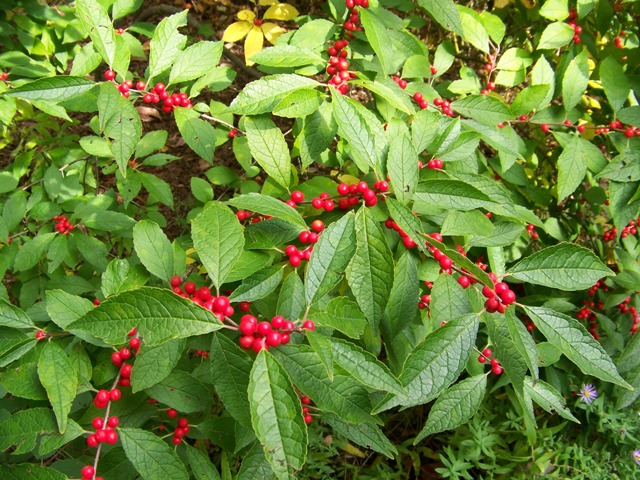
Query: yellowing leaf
{"type": "Point", "coordinates": [281, 11]}
{"type": "Point", "coordinates": [272, 31]}
{"type": "Point", "coordinates": [236, 31]}
{"type": "Point", "coordinates": [246, 15]}
{"type": "Point", "coordinates": [253, 44]}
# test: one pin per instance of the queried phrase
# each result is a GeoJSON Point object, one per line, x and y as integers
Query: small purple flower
{"type": "Point", "coordinates": [636, 456]}
{"type": "Point", "coordinates": [588, 393]}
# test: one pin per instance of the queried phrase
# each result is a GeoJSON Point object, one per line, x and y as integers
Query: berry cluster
{"type": "Point", "coordinates": [531, 231]}
{"type": "Point", "coordinates": [62, 225]}
{"type": "Point", "coordinates": [159, 94]}
{"type": "Point", "coordinates": [577, 29]}
{"type": "Point", "coordinates": [243, 215]}
{"type": "Point", "coordinates": [40, 335]}
{"type": "Point", "coordinates": [434, 164]}
{"type": "Point", "coordinates": [496, 368]}
{"type": "Point", "coordinates": [219, 306]}
{"type": "Point", "coordinates": [585, 313]}
{"type": "Point", "coordinates": [424, 302]}
{"type": "Point", "coordinates": [88, 472]}
{"type": "Point", "coordinates": [420, 100]}
{"type": "Point", "coordinates": [445, 106]}
{"type": "Point", "coordinates": [104, 431]}
{"type": "Point", "coordinates": [3, 76]}
{"type": "Point", "coordinates": [489, 68]}
{"type": "Point", "coordinates": [619, 42]}
{"type": "Point", "coordinates": [351, 193]}
{"type": "Point", "coordinates": [311, 237]}
{"type": "Point", "coordinates": [338, 66]}
{"type": "Point", "coordinates": [305, 401]}
{"type": "Point", "coordinates": [262, 335]}
{"type": "Point", "coordinates": [182, 427]}
{"type": "Point", "coordinates": [119, 359]}
{"type": "Point", "coordinates": [401, 82]}
{"type": "Point", "coordinates": [202, 353]}
{"type": "Point", "coordinates": [630, 229]}
{"type": "Point", "coordinates": [406, 241]}
{"type": "Point", "coordinates": [498, 299]}
{"type": "Point", "coordinates": [353, 24]}
{"type": "Point", "coordinates": [625, 308]}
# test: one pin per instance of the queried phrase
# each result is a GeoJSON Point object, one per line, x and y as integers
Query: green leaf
{"type": "Point", "coordinates": [255, 465]}
{"type": "Point", "coordinates": [565, 266]}
{"type": "Point", "coordinates": [343, 395]}
{"type": "Point", "coordinates": [286, 56]}
{"type": "Point", "coordinates": [343, 315]}
{"type": "Point", "coordinates": [218, 238]}
{"type": "Point", "coordinates": [555, 9]}
{"type": "Point", "coordinates": [630, 115]}
{"type": "Point", "coordinates": [378, 38]}
{"type": "Point", "coordinates": [572, 165]}
{"type": "Point", "coordinates": [276, 416]}
{"type": "Point", "coordinates": [154, 364]}
{"type": "Point", "coordinates": [317, 134]}
{"type": "Point", "coordinates": [370, 272]}
{"type": "Point", "coordinates": [32, 251]}
{"type": "Point", "coordinates": [199, 134]}
{"type": "Point", "coordinates": [364, 367]}
{"type": "Point", "coordinates": [466, 223]}
{"type": "Point", "coordinates": [120, 122]}
{"type": "Point", "coordinates": [24, 471]}
{"type": "Point", "coordinates": [407, 221]}
{"type": "Point", "coordinates": [291, 301]}
{"type": "Point", "coordinates": [573, 340]}
{"type": "Point", "coordinates": [445, 13]}
{"type": "Point", "coordinates": [195, 61]}
{"type": "Point", "coordinates": [390, 92]}
{"type": "Point", "coordinates": [258, 285]}
{"type": "Point", "coordinates": [262, 95]}
{"type": "Point", "coordinates": [556, 35]}
{"type": "Point", "coordinates": [230, 369]}
{"type": "Point", "coordinates": [615, 83]}
{"type": "Point", "coordinates": [530, 99]}
{"type": "Point", "coordinates": [330, 256]}
{"type": "Point", "coordinates": [435, 363]}
{"type": "Point", "coordinates": [54, 89]}
{"type": "Point", "coordinates": [167, 43]}
{"type": "Point", "coordinates": [402, 166]}
{"type": "Point", "coordinates": [455, 406]}
{"type": "Point", "coordinates": [59, 379]}
{"type": "Point", "coordinates": [548, 398]}
{"type": "Point", "coordinates": [159, 314]}
{"type": "Point", "coordinates": [14, 317]}
{"type": "Point", "coordinates": [96, 21]}
{"type": "Point", "coordinates": [353, 127]}
{"type": "Point", "coordinates": [623, 168]}
{"type": "Point", "coordinates": [152, 457]}
{"type": "Point", "coordinates": [451, 194]}
{"type": "Point", "coordinates": [182, 391]}
{"type": "Point", "coordinates": [473, 30]}
{"type": "Point", "coordinates": [575, 81]}
{"type": "Point", "coordinates": [201, 466]}
{"type": "Point", "coordinates": [154, 249]}
{"type": "Point", "coordinates": [24, 427]}
{"type": "Point", "coordinates": [322, 347]}
{"type": "Point", "coordinates": [258, 203]}
{"type": "Point", "coordinates": [494, 26]}
{"type": "Point", "coordinates": [299, 103]}
{"type": "Point", "coordinates": [448, 300]}
{"type": "Point", "coordinates": [485, 109]}
{"type": "Point", "coordinates": [364, 434]}
{"type": "Point", "coordinates": [269, 147]}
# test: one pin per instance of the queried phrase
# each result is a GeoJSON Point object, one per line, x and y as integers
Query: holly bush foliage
{"type": "Point", "coordinates": [431, 204]}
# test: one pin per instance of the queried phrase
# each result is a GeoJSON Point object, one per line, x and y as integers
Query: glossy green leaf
{"type": "Point", "coordinates": [276, 416]}
{"type": "Point", "coordinates": [473, 30]}
{"type": "Point", "coordinates": [59, 379]}
{"type": "Point", "coordinates": [353, 127]}
{"type": "Point", "coordinates": [269, 148]}
{"type": "Point", "coordinates": [95, 20]}
{"type": "Point", "coordinates": [402, 166]}
{"type": "Point", "coordinates": [573, 340]}
{"type": "Point", "coordinates": [343, 315]}
{"type": "Point", "coordinates": [572, 165]}
{"type": "Point", "coordinates": [376, 32]}
{"type": "Point", "coordinates": [23, 428]}
{"type": "Point", "coordinates": [182, 391]}
{"type": "Point", "coordinates": [151, 456]}
{"type": "Point", "coordinates": [556, 35]}
{"type": "Point", "coordinates": [455, 406]}
{"type": "Point", "coordinates": [575, 81]}
{"type": "Point", "coordinates": [167, 43]}
{"type": "Point", "coordinates": [448, 300]}
{"type": "Point", "coordinates": [258, 285]}
{"type": "Point", "coordinates": [32, 251]}
{"type": "Point", "coordinates": [330, 256]}
{"type": "Point", "coordinates": [566, 266]}
{"type": "Point", "coordinates": [343, 395]}
{"type": "Point", "coordinates": [286, 56]}
{"type": "Point", "coordinates": [153, 249]}
{"type": "Point", "coordinates": [291, 301]}
{"type": "Point", "coordinates": [154, 364]}
{"type": "Point", "coordinates": [318, 133]}
{"type": "Point", "coordinates": [159, 314]}
{"type": "Point", "coordinates": [299, 103]}
{"type": "Point", "coordinates": [230, 369]}
{"type": "Point", "coordinates": [55, 89]}
{"type": "Point", "coordinates": [258, 203]}
{"type": "Point", "coordinates": [435, 363]}
{"type": "Point", "coordinates": [218, 238]}
{"type": "Point", "coordinates": [196, 132]}
{"type": "Point", "coordinates": [260, 96]}
{"type": "Point", "coordinates": [483, 108]}
{"type": "Point", "coordinates": [548, 398]}
{"type": "Point", "coordinates": [195, 61]}
{"type": "Point", "coordinates": [370, 272]}
{"type": "Point", "coordinates": [615, 83]}
{"type": "Point", "coordinates": [445, 13]}
{"type": "Point", "coordinates": [452, 194]}
{"type": "Point", "coordinates": [364, 367]}
{"type": "Point", "coordinates": [14, 317]}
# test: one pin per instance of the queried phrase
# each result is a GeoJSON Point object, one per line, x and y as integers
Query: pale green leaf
{"type": "Point", "coordinates": [59, 379]}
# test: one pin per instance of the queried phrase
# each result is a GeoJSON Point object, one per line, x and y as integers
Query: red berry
{"type": "Point", "coordinates": [297, 196]}
{"type": "Point", "coordinates": [264, 328]}
{"type": "Point", "coordinates": [176, 281]}
{"type": "Point", "coordinates": [115, 395]}
{"type": "Point", "coordinates": [111, 437]}
{"type": "Point", "coordinates": [97, 423]}
{"type": "Point", "coordinates": [109, 75]}
{"type": "Point", "coordinates": [88, 472]}
{"type": "Point", "coordinates": [308, 419]}
{"type": "Point", "coordinates": [544, 127]}
{"type": "Point", "coordinates": [317, 226]}
{"type": "Point", "coordinates": [134, 343]}
{"type": "Point", "coordinates": [176, 440]}
{"type": "Point", "coordinates": [274, 339]}
{"type": "Point", "coordinates": [464, 281]}
{"type": "Point", "coordinates": [277, 321]}
{"type": "Point", "coordinates": [113, 422]}
{"type": "Point", "coordinates": [40, 335]}
{"type": "Point", "coordinates": [308, 325]}
{"type": "Point", "coordinates": [295, 260]}
{"type": "Point", "coordinates": [190, 288]}
{"type": "Point", "coordinates": [487, 352]}
{"type": "Point", "coordinates": [125, 370]}
{"type": "Point", "coordinates": [246, 342]}
{"type": "Point", "coordinates": [183, 422]}
{"type": "Point", "coordinates": [92, 441]}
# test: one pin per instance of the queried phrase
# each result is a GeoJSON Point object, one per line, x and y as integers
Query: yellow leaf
{"type": "Point", "coordinates": [253, 44]}
{"type": "Point", "coordinates": [236, 31]}
{"type": "Point", "coordinates": [267, 2]}
{"type": "Point", "coordinates": [246, 15]}
{"type": "Point", "coordinates": [281, 11]}
{"type": "Point", "coordinates": [272, 31]}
